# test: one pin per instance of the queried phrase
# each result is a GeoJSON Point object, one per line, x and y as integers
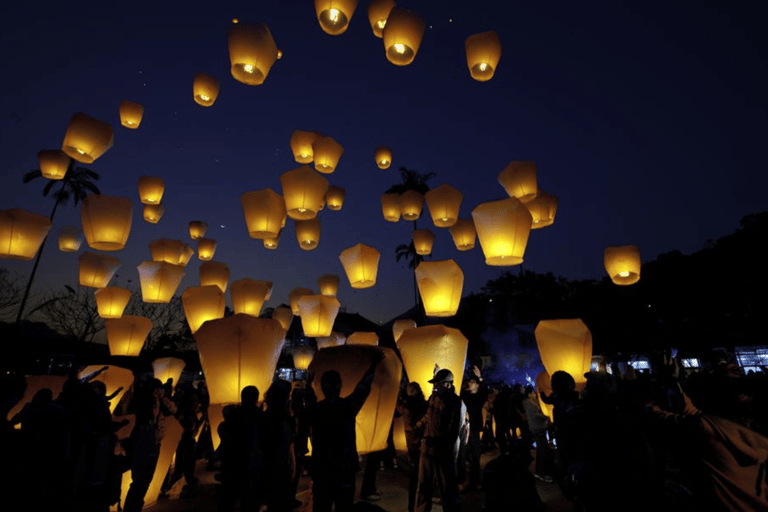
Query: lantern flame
{"type": "Point", "coordinates": [399, 48]}
{"type": "Point", "coordinates": [333, 15]}
{"type": "Point", "coordinates": [248, 68]}
{"type": "Point", "coordinates": [381, 24]}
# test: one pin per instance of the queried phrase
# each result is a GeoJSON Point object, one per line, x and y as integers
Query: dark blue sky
{"type": "Point", "coordinates": [647, 120]}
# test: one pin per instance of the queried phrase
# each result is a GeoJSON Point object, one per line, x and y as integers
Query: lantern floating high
{"type": "Point", "coordinates": [294, 297]}
{"type": "Point", "coordinates": [519, 180]}
{"type": "Point", "coordinates": [126, 335]}
{"type": "Point", "coordinates": [159, 281]}
{"type": "Point", "coordinates": [334, 340]}
{"type": "Point", "coordinates": [327, 153]}
{"type": "Point", "coordinates": [565, 345]}
{"type": "Point", "coordinates": [328, 284]}
{"type": "Point", "coordinates": [503, 228]}
{"type": "Point", "coordinates": [399, 327]}
{"type": "Point", "coordinates": [463, 234]}
{"type": "Point", "coordinates": [151, 189]}
{"type": "Point", "coordinates": [317, 312]}
{"type": "Point", "coordinates": [202, 303]}
{"type": "Point", "coordinates": [206, 248]}
{"type": "Point", "coordinates": [378, 12]}
{"type": "Point", "coordinates": [283, 315]}
{"type": "Point", "coordinates": [271, 243]}
{"type": "Point", "coordinates": [169, 251]}
{"type": "Point", "coordinates": [252, 52]}
{"type": "Point", "coordinates": [111, 301]}
{"type": "Point", "coordinates": [444, 203]}
{"type": "Point", "coordinates": [383, 157]}
{"type": "Point", "coordinates": [249, 295]}
{"type": "Point", "coordinates": [153, 213]}
{"type": "Point", "coordinates": [106, 221]}
{"type": "Point", "coordinates": [205, 89]}
{"type": "Point", "coordinates": [440, 286]}
{"type": "Point", "coordinates": [197, 229]}
{"type": "Point", "coordinates": [363, 338]}
{"type": "Point", "coordinates": [302, 356]}
{"type": "Point", "coordinates": [70, 239]}
{"type": "Point", "coordinates": [483, 54]}
{"type": "Point", "coordinates": [390, 207]}
{"type": "Point", "coordinates": [214, 272]}
{"type": "Point", "coordinates": [411, 203]}
{"type": "Point", "coordinates": [264, 213]}
{"type": "Point", "coordinates": [334, 15]}
{"type": "Point", "coordinates": [334, 198]}
{"type": "Point", "coordinates": [402, 36]}
{"type": "Point", "coordinates": [543, 209]}
{"type": "Point", "coordinates": [424, 347]}
{"type": "Point", "coordinates": [53, 163]}
{"type": "Point", "coordinates": [304, 191]}
{"type": "Point", "coordinates": [301, 145]}
{"type": "Point", "coordinates": [308, 233]}
{"type": "Point", "coordinates": [87, 138]}
{"type": "Point", "coordinates": [622, 263]}
{"type": "Point", "coordinates": [96, 270]}
{"type": "Point", "coordinates": [131, 114]}
{"type": "Point", "coordinates": [361, 264]}
{"type": "Point", "coordinates": [423, 239]}
{"type": "Point", "coordinates": [165, 368]}
{"type": "Point", "coordinates": [186, 255]}
{"type": "Point", "coordinates": [22, 233]}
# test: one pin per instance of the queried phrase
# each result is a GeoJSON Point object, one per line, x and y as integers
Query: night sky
{"type": "Point", "coordinates": [647, 120]}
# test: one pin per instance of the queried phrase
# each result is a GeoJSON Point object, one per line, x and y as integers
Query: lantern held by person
{"type": "Point", "coordinates": [423, 239]}
{"type": "Point", "coordinates": [206, 248]}
{"type": "Point", "coordinates": [440, 286]}
{"type": "Point", "coordinates": [202, 303]}
{"type": "Point", "coordinates": [214, 272]}
{"type": "Point", "coordinates": [444, 203]}
{"type": "Point", "coordinates": [463, 234]}
{"type": "Point", "coordinates": [519, 180]}
{"type": "Point", "coordinates": [503, 228]}
{"type": "Point", "coordinates": [111, 301]}
{"type": "Point", "coordinates": [96, 270]}
{"type": "Point", "coordinates": [53, 164]}
{"type": "Point", "coordinates": [483, 54]}
{"type": "Point", "coordinates": [361, 264]}
{"type": "Point", "coordinates": [131, 114]}
{"type": "Point", "coordinates": [334, 198]}
{"type": "Point", "coordinates": [114, 378]}
{"type": "Point", "coordinates": [544, 385]}
{"type": "Point", "coordinates": [205, 89]}
{"type": "Point", "coordinates": [106, 221]}
{"type": "Point", "coordinates": [402, 36]}
{"type": "Point", "coordinates": [252, 52]}
{"type": "Point", "coordinates": [424, 347]}
{"type": "Point", "coordinates": [249, 295]}
{"type": "Point", "coordinates": [302, 356]}
{"type": "Point", "coordinates": [622, 264]}
{"type": "Point", "coordinates": [22, 233]}
{"type": "Point", "coordinates": [165, 368]}
{"type": "Point", "coordinates": [301, 145]}
{"type": "Point", "coordinates": [328, 284]}
{"type": "Point", "coordinates": [126, 335]}
{"type": "Point", "coordinates": [363, 338]}
{"type": "Point", "coordinates": [334, 340]}
{"type": "Point", "coordinates": [334, 15]}
{"type": "Point", "coordinates": [308, 233]}
{"type": "Point", "coordinates": [383, 157]}
{"type": "Point", "coordinates": [317, 312]}
{"type": "Point", "coordinates": [159, 281]}
{"type": "Point", "coordinates": [378, 12]}
{"type": "Point", "coordinates": [151, 189]}
{"type": "Point", "coordinates": [327, 153]}
{"type": "Point", "coordinates": [565, 345]}
{"type": "Point", "coordinates": [264, 213]}
{"type": "Point", "coordinates": [411, 203]}
{"type": "Point", "coordinates": [87, 138]}
{"type": "Point", "coordinates": [304, 192]}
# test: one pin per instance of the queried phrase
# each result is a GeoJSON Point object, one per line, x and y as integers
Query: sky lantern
{"type": "Point", "coordinates": [444, 203]}
{"type": "Point", "coordinates": [399, 326]}
{"type": "Point", "coordinates": [283, 315]}
{"type": "Point", "coordinates": [565, 345]}
{"type": "Point", "coordinates": [440, 286]}
{"type": "Point", "coordinates": [111, 301]}
{"type": "Point", "coordinates": [22, 233]}
{"type": "Point", "coordinates": [239, 351]}
{"type": "Point", "coordinates": [70, 239]}
{"type": "Point", "coordinates": [153, 213]}
{"type": "Point", "coordinates": [249, 295]}
{"type": "Point", "coordinates": [301, 145]}
{"type": "Point", "coordinates": [294, 297]}
{"type": "Point", "coordinates": [202, 303]}
{"type": "Point", "coordinates": [106, 221]}
{"type": "Point", "coordinates": [214, 272]}
{"type": "Point", "coordinates": [519, 180]}
{"type": "Point", "coordinates": [126, 335]}
{"type": "Point", "coordinates": [186, 255]}
{"type": "Point", "coordinates": [424, 347]}
{"type": "Point", "coordinates": [622, 264]}
{"type": "Point", "coordinates": [304, 191]}
{"type": "Point", "coordinates": [363, 338]}
{"type": "Point", "coordinates": [402, 36]}
{"type": "Point", "coordinates": [543, 209]}
{"type": "Point", "coordinates": [327, 153]}
{"type": "Point", "coordinates": [308, 233]}
{"type": "Point", "coordinates": [378, 12]}
{"type": "Point", "coordinates": [544, 384]}
{"type": "Point", "coordinates": [361, 263]}
{"type": "Point", "coordinates": [53, 163]}
{"type": "Point", "coordinates": [334, 340]}
{"type": "Point", "coordinates": [165, 368]}
{"type": "Point", "coordinates": [264, 213]}
{"type": "Point", "coordinates": [328, 284]}
{"type": "Point", "coordinates": [483, 54]}
{"type": "Point", "coordinates": [170, 251]}
{"type": "Point", "coordinates": [197, 229]}
{"type": "Point", "coordinates": [302, 356]}
{"type": "Point", "coordinates": [423, 239]}
{"type": "Point", "coordinates": [411, 203]}
{"type": "Point", "coordinates": [96, 270]}
{"type": "Point", "coordinates": [503, 228]}
{"type": "Point", "coordinates": [252, 51]}
{"type": "Point", "coordinates": [383, 157]}
{"type": "Point", "coordinates": [463, 234]}
{"type": "Point", "coordinates": [317, 312]}
{"type": "Point", "coordinates": [206, 248]}
{"type": "Point", "coordinates": [114, 378]}
{"type": "Point", "coordinates": [151, 189]}
{"type": "Point", "coordinates": [131, 114]}
{"type": "Point", "coordinates": [205, 89]}
{"type": "Point", "coordinates": [87, 138]}
{"type": "Point", "coordinates": [334, 15]}
{"type": "Point", "coordinates": [390, 207]}
{"type": "Point", "coordinates": [271, 243]}
{"type": "Point", "coordinates": [159, 281]}
{"type": "Point", "coordinates": [334, 197]}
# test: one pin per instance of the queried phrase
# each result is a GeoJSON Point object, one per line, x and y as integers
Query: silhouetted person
{"type": "Point", "coordinates": [474, 396]}
{"type": "Point", "coordinates": [538, 423]}
{"type": "Point", "coordinates": [190, 418]}
{"type": "Point", "coordinates": [508, 485]}
{"type": "Point", "coordinates": [277, 437]}
{"type": "Point", "coordinates": [413, 406]}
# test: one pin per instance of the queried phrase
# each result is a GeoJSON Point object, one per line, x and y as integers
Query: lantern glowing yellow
{"type": "Point", "coordinates": [186, 255]}
{"type": "Point", "coordinates": [87, 138]}
{"type": "Point", "coordinates": [271, 243]}
{"type": "Point", "coordinates": [197, 229]}
{"type": "Point", "coordinates": [206, 248]}
{"type": "Point", "coordinates": [383, 157]}
{"type": "Point", "coordinates": [483, 54]}
{"type": "Point", "coordinates": [172, 432]}
{"type": "Point", "coordinates": [21, 233]}
{"type": "Point", "coordinates": [202, 303]}
{"type": "Point", "coordinates": [53, 164]}
{"type": "Point", "coordinates": [327, 153]}
{"type": "Point", "coordinates": [114, 378]}
{"type": "Point", "coordinates": [308, 233]}
{"type": "Point", "coordinates": [402, 36]}
{"type": "Point", "coordinates": [334, 198]}
{"type": "Point", "coordinates": [334, 15]}
{"type": "Point", "coordinates": [283, 315]}
{"type": "Point", "coordinates": [543, 209]}
{"type": "Point", "coordinates": [334, 340]}
{"type": "Point", "coordinates": [328, 284]}
{"type": "Point", "coordinates": [424, 347]}
{"type": "Point", "coordinates": [302, 356]}
{"type": "Point", "coordinates": [214, 272]}
{"type": "Point", "coordinates": [544, 385]}
{"type": "Point", "coordinates": [252, 51]}
{"type": "Point", "coordinates": [264, 213]}
{"type": "Point", "coordinates": [565, 345]}
{"type": "Point", "coordinates": [205, 89]}
{"type": "Point", "coordinates": [70, 239]}
{"type": "Point", "coordinates": [165, 368]}
{"type": "Point", "coordinates": [317, 312]}
{"type": "Point", "coordinates": [361, 264]}
{"type": "Point", "coordinates": [622, 264]}
{"type": "Point", "coordinates": [153, 213]}
{"type": "Point", "coordinates": [131, 114]}
{"type": "Point", "coordinates": [440, 287]}
{"type": "Point", "coordinates": [378, 12]}
{"type": "Point", "coordinates": [463, 233]}
{"type": "Point", "coordinates": [363, 338]}
{"type": "Point", "coordinates": [503, 228]}
{"type": "Point", "coordinates": [301, 145]}
{"type": "Point", "coordinates": [111, 301]}
{"type": "Point", "coordinates": [519, 180]}
{"type": "Point", "coordinates": [304, 191]}
{"type": "Point", "coordinates": [411, 203]}
{"type": "Point", "coordinates": [423, 239]}
{"type": "Point", "coordinates": [96, 270]}
{"type": "Point", "coordinates": [126, 335]}
{"type": "Point", "coordinates": [238, 351]}
{"type": "Point", "coordinates": [151, 189]}
{"type": "Point", "coordinates": [374, 420]}
{"type": "Point", "coordinates": [169, 251]}
{"type": "Point", "coordinates": [399, 326]}
{"type": "Point", "coordinates": [249, 295]}
{"type": "Point", "coordinates": [390, 207]}
{"type": "Point", "coordinates": [106, 221]}
{"type": "Point", "coordinates": [444, 203]}
{"type": "Point", "coordinates": [159, 281]}
{"type": "Point", "coordinates": [294, 297]}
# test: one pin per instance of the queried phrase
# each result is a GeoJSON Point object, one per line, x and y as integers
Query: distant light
{"type": "Point", "coordinates": [450, 20]}
{"type": "Point", "coordinates": [400, 48]}
{"type": "Point", "coordinates": [248, 68]}
{"type": "Point", "coordinates": [333, 15]}
{"type": "Point", "coordinates": [624, 274]}
{"type": "Point", "coordinates": [222, 225]}
{"type": "Point", "coordinates": [384, 162]}
{"type": "Point", "coordinates": [381, 24]}
{"type": "Point", "coordinates": [235, 20]}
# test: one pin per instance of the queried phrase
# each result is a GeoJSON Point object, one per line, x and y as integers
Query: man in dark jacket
{"type": "Point", "coordinates": [474, 396]}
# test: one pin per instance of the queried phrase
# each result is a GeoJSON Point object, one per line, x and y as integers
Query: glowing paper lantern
{"type": "Point", "coordinates": [165, 368]}
{"type": "Point", "coordinates": [87, 138]}
{"type": "Point", "coordinates": [70, 239]}
{"type": "Point", "coordinates": [361, 263]}
{"type": "Point", "coordinates": [334, 15]}
{"type": "Point", "coordinates": [622, 264]}
{"type": "Point", "coordinates": [153, 213]}
{"type": "Point", "coordinates": [301, 145]}
{"type": "Point", "coordinates": [317, 312]}
{"type": "Point", "coordinates": [503, 228]}
{"type": "Point", "coordinates": [172, 432]}
{"type": "Point", "coordinates": [363, 338]}
{"type": "Point", "coordinates": [252, 51]}
{"type": "Point", "coordinates": [175, 252]}
{"type": "Point", "coordinates": [113, 378]}
{"type": "Point", "coordinates": [463, 234]}
{"type": "Point", "coordinates": [214, 272]}
{"type": "Point", "coordinates": [390, 207]}
{"type": "Point", "coordinates": [151, 189]}
{"type": "Point", "coordinates": [543, 209]}
{"type": "Point", "coordinates": [202, 303]}
{"type": "Point", "coordinates": [159, 281]}
{"type": "Point", "coordinates": [249, 295]}
{"type": "Point", "coordinates": [483, 54]}
{"type": "Point", "coordinates": [519, 180]}
{"type": "Point", "coordinates": [399, 326]}
{"type": "Point", "coordinates": [238, 351]}
{"type": "Point", "coordinates": [53, 164]}
{"type": "Point", "coordinates": [565, 345]}
{"type": "Point", "coordinates": [283, 315]}
{"type": "Point", "coordinates": [440, 286]}
{"type": "Point", "coordinates": [106, 221]}
{"type": "Point", "coordinates": [131, 114]}
{"type": "Point", "coordinates": [197, 229]}
{"type": "Point", "coordinates": [294, 297]}
{"type": "Point", "coordinates": [423, 239]}
{"type": "Point", "coordinates": [544, 385]}
{"type": "Point", "coordinates": [271, 243]}
{"type": "Point", "coordinates": [21, 233]}
{"type": "Point", "coordinates": [411, 203]}
{"type": "Point", "coordinates": [186, 255]}
{"type": "Point", "coordinates": [424, 347]}
{"type": "Point", "coordinates": [334, 340]}
{"type": "Point", "coordinates": [378, 12]}
{"type": "Point", "coordinates": [444, 203]}
{"type": "Point", "coordinates": [327, 153]}
{"type": "Point", "coordinates": [205, 89]}
{"type": "Point", "coordinates": [383, 157]}
{"type": "Point", "coordinates": [96, 270]}
{"type": "Point", "coordinates": [334, 198]}
{"type": "Point", "coordinates": [111, 302]}
{"type": "Point", "coordinates": [126, 335]}
{"type": "Point", "coordinates": [308, 233]}
{"type": "Point", "coordinates": [304, 191]}
{"type": "Point", "coordinates": [402, 36]}
{"type": "Point", "coordinates": [264, 213]}
{"type": "Point", "coordinates": [302, 356]}
{"type": "Point", "coordinates": [328, 284]}
{"type": "Point", "coordinates": [206, 248]}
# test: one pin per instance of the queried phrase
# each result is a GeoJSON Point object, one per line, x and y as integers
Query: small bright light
{"type": "Point", "coordinates": [248, 68]}
{"type": "Point", "coordinates": [624, 274]}
{"type": "Point", "coordinates": [483, 66]}
{"type": "Point", "coordinates": [302, 210]}
{"type": "Point", "coordinates": [333, 15]}
{"type": "Point", "coordinates": [204, 97]}
{"type": "Point", "coordinates": [304, 155]}
{"type": "Point", "coordinates": [444, 219]}
{"type": "Point", "coordinates": [384, 162]}
{"type": "Point", "coordinates": [381, 24]}
{"type": "Point", "coordinates": [400, 48]}
{"type": "Point", "coordinates": [80, 151]}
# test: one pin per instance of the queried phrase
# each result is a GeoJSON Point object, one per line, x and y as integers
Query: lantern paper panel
{"type": "Point", "coordinates": [503, 228]}
{"type": "Point", "coordinates": [249, 295]}
{"type": "Point", "coordinates": [294, 297]}
{"type": "Point", "coordinates": [402, 36]}
{"type": "Point", "coordinates": [114, 377]}
{"type": "Point", "coordinates": [317, 312]}
{"type": "Point", "coordinates": [301, 146]}
{"type": "Point", "coordinates": [186, 255]}
{"type": "Point", "coordinates": [363, 338]}
{"type": "Point", "coordinates": [327, 153]}
{"type": "Point", "coordinates": [398, 435]}
{"type": "Point", "coordinates": [302, 356]}
{"type": "Point", "coordinates": [151, 189]}
{"type": "Point", "coordinates": [565, 345]}
{"type": "Point", "coordinates": [519, 180]}
{"type": "Point", "coordinates": [411, 204]}
{"type": "Point", "coordinates": [126, 335]}
{"type": "Point", "coordinates": [423, 240]}
{"type": "Point", "coordinates": [214, 272]}
{"type": "Point", "coordinates": [53, 164]}
{"type": "Point", "coordinates": [543, 209]}
{"type": "Point", "coordinates": [252, 52]}
{"type": "Point", "coordinates": [424, 347]}
{"type": "Point", "coordinates": [361, 264]}
{"type": "Point", "coordinates": [197, 229]}
{"type": "Point", "coordinates": [334, 198]}
{"type": "Point", "coordinates": [22, 233]}
{"type": "Point", "coordinates": [308, 233]}
{"type": "Point", "coordinates": [383, 157]}
{"type": "Point", "coordinates": [390, 207]}
{"type": "Point", "coordinates": [175, 252]}
{"type": "Point", "coordinates": [205, 89]}
{"type": "Point", "coordinates": [165, 368]}
{"type": "Point", "coordinates": [111, 301]}
{"type": "Point", "coordinates": [283, 315]}
{"type": "Point", "coordinates": [96, 270]}
{"type": "Point", "coordinates": [202, 303]}
{"type": "Point", "coordinates": [131, 114]}
{"type": "Point", "coordinates": [159, 281]}
{"type": "Point", "coordinates": [622, 263]}
{"type": "Point", "coordinates": [153, 213]}
{"type": "Point", "coordinates": [87, 138]}
{"type": "Point", "coordinates": [336, 339]}
{"type": "Point", "coordinates": [444, 203]}
{"type": "Point", "coordinates": [106, 221]}
{"type": "Point", "coordinates": [544, 385]}
{"type": "Point", "coordinates": [440, 286]}
{"type": "Point", "coordinates": [483, 54]}
{"type": "Point", "coordinates": [206, 248]}
{"type": "Point", "coordinates": [304, 192]}
{"type": "Point", "coordinates": [463, 234]}
{"type": "Point", "coordinates": [328, 284]}
{"type": "Point", "coordinates": [378, 12]}
{"type": "Point", "coordinates": [264, 213]}
{"type": "Point", "coordinates": [35, 383]}
{"type": "Point", "coordinates": [171, 438]}
{"type": "Point", "coordinates": [399, 326]}
{"type": "Point", "coordinates": [334, 15]}
{"type": "Point", "coordinates": [70, 239]}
